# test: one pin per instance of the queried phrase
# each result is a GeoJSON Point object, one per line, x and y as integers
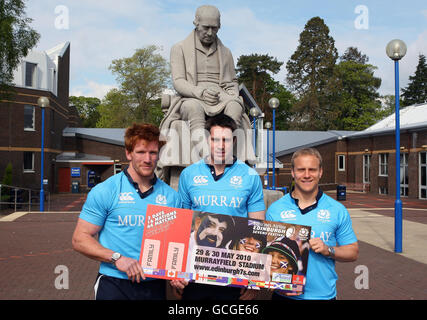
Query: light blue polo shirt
{"type": "Point", "coordinates": [119, 207]}
{"type": "Point", "coordinates": [330, 221]}
{"type": "Point", "coordinates": [236, 192]}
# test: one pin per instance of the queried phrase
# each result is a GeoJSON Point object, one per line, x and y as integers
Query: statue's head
{"type": "Point", "coordinates": [207, 22]}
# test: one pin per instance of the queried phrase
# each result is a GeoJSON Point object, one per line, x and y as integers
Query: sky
{"type": "Point", "coordinates": [100, 31]}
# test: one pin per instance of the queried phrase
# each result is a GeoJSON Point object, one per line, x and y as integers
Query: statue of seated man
{"type": "Point", "coordinates": [203, 72]}
{"type": "Point", "coordinates": [204, 77]}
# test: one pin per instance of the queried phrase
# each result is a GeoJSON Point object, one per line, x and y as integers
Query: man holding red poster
{"type": "Point", "coordinates": [111, 224]}
{"type": "Point", "coordinates": [220, 184]}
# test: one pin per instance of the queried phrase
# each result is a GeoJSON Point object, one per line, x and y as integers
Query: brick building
{"type": "Point", "coordinates": [365, 160]}
{"type": "Point", "coordinates": [39, 74]}
{"type": "Point", "coordinates": [362, 160]}
{"type": "Point", "coordinates": [90, 156]}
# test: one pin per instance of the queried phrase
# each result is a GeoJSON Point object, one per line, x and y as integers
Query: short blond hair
{"type": "Point", "coordinates": [306, 152]}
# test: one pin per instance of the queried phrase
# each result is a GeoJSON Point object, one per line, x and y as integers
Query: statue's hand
{"type": "Point", "coordinates": [210, 96]}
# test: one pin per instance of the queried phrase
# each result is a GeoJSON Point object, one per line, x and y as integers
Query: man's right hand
{"type": "Point", "coordinates": [178, 286]}
{"type": "Point", "coordinates": [210, 96]}
{"type": "Point", "coordinates": [132, 268]}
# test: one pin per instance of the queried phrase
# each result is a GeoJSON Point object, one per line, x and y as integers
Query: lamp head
{"type": "Point", "coordinates": [273, 103]}
{"type": "Point", "coordinates": [396, 49]}
{"type": "Point", "coordinates": [43, 102]}
{"type": "Point", "coordinates": [254, 112]}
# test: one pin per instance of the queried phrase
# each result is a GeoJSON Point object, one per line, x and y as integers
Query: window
{"type": "Point", "coordinates": [383, 190]}
{"type": "Point", "coordinates": [29, 115]}
{"type": "Point", "coordinates": [404, 175]}
{"type": "Point", "coordinates": [54, 81]}
{"type": "Point", "coordinates": [341, 162]}
{"type": "Point", "coordinates": [366, 168]}
{"type": "Point", "coordinates": [28, 161]}
{"type": "Point", "coordinates": [30, 74]}
{"type": "Point", "coordinates": [423, 175]}
{"type": "Point", "coordinates": [383, 170]}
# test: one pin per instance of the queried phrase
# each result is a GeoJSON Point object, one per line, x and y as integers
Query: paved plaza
{"type": "Point", "coordinates": [36, 253]}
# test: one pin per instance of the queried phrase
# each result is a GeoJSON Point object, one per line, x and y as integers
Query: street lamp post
{"type": "Point", "coordinates": [274, 104]}
{"type": "Point", "coordinates": [43, 102]}
{"type": "Point", "coordinates": [268, 126]}
{"type": "Point", "coordinates": [396, 50]}
{"type": "Point", "coordinates": [254, 113]}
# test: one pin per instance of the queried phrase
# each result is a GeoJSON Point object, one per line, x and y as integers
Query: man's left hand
{"type": "Point", "coordinates": [318, 246]}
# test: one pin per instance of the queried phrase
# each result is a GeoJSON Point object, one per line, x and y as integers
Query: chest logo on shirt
{"type": "Point", "coordinates": [199, 180]}
{"type": "Point", "coordinates": [323, 215]}
{"type": "Point", "coordinates": [126, 197]}
{"type": "Point", "coordinates": [288, 214]}
{"type": "Point", "coordinates": [303, 233]}
{"type": "Point", "coordinates": [161, 199]}
{"type": "Point", "coordinates": [236, 180]}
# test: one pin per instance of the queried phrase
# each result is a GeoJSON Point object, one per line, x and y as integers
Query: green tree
{"type": "Point", "coordinates": [87, 107]}
{"type": "Point", "coordinates": [357, 99]}
{"type": "Point", "coordinates": [416, 91]}
{"type": "Point", "coordinates": [141, 78]}
{"type": "Point", "coordinates": [16, 40]}
{"type": "Point", "coordinates": [116, 110]}
{"type": "Point", "coordinates": [284, 113]}
{"type": "Point", "coordinates": [310, 77]}
{"type": "Point", "coordinates": [353, 54]}
{"type": "Point", "coordinates": [255, 72]}
{"type": "Point", "coordinates": [388, 105]}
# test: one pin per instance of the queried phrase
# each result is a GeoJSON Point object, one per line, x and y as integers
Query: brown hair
{"type": "Point", "coordinates": [306, 152]}
{"type": "Point", "coordinates": [142, 131]}
{"type": "Point", "coordinates": [220, 120]}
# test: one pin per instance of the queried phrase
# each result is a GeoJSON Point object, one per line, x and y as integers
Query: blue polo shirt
{"type": "Point", "coordinates": [119, 207]}
{"type": "Point", "coordinates": [330, 221]}
{"type": "Point", "coordinates": [236, 192]}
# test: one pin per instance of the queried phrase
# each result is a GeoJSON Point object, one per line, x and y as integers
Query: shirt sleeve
{"type": "Point", "coordinates": [95, 209]}
{"type": "Point", "coordinates": [345, 234]}
{"type": "Point", "coordinates": [256, 198]}
{"type": "Point", "coordinates": [177, 200]}
{"type": "Point", "coordinates": [183, 192]}
{"type": "Point", "coordinates": [268, 214]}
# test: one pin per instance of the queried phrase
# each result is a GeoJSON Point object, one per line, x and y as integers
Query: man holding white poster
{"type": "Point", "coordinates": [332, 236]}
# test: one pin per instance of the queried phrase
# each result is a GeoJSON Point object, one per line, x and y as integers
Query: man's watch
{"type": "Point", "coordinates": [331, 251]}
{"type": "Point", "coordinates": [115, 256]}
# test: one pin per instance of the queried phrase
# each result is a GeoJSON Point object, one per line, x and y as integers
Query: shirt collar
{"type": "Point", "coordinates": [135, 185]}
{"type": "Point", "coordinates": [212, 169]}
{"type": "Point", "coordinates": [309, 208]}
